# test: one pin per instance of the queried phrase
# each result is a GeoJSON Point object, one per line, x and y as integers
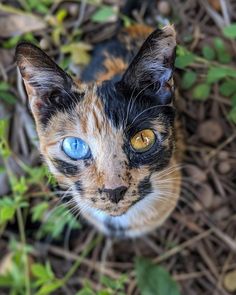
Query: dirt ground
{"type": "Point", "coordinates": [197, 244]}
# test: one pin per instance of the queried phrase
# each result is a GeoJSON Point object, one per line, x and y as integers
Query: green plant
{"type": "Point", "coordinates": [215, 61]}
{"type": "Point", "coordinates": [154, 279]}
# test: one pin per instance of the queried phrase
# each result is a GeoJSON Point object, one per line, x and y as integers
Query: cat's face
{"type": "Point", "coordinates": [105, 142]}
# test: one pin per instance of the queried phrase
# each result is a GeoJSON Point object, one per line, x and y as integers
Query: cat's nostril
{"type": "Point", "coordinates": [117, 194]}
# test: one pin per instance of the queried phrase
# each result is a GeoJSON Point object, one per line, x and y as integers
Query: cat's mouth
{"type": "Point", "coordinates": [113, 209]}
{"type": "Point", "coordinates": [107, 207]}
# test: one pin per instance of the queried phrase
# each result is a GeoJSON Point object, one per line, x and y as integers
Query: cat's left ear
{"type": "Point", "coordinates": [40, 74]}
{"type": "Point", "coordinates": [153, 66]}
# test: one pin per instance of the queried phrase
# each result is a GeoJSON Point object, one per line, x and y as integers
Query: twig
{"type": "Point", "coordinates": [221, 146]}
{"type": "Point", "coordinates": [225, 11]}
{"type": "Point", "coordinates": [180, 247]}
{"type": "Point", "coordinates": [72, 256]}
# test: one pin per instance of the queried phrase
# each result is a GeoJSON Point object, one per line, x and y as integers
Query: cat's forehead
{"type": "Point", "coordinates": [103, 112]}
{"type": "Point", "coordinates": [87, 117]}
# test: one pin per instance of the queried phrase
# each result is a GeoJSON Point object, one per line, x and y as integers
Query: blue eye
{"type": "Point", "coordinates": [75, 148]}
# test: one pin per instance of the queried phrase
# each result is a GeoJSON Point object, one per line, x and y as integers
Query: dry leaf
{"type": "Point", "coordinates": [230, 281]}
{"type": "Point", "coordinates": [15, 22]}
{"type": "Point", "coordinates": [6, 57]}
{"type": "Point", "coordinates": [6, 264]}
{"type": "Point", "coordinates": [215, 4]}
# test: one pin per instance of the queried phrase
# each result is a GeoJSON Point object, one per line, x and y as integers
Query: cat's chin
{"type": "Point", "coordinates": [113, 211]}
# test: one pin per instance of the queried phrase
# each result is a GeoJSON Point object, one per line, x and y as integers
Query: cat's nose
{"type": "Point", "coordinates": [117, 194]}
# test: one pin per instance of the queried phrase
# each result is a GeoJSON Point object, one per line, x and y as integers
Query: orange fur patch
{"type": "Point", "coordinates": [139, 31]}
{"type": "Point", "coordinates": [114, 66]}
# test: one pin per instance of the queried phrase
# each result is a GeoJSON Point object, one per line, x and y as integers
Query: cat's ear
{"type": "Point", "coordinates": [41, 75]}
{"type": "Point", "coordinates": [153, 65]}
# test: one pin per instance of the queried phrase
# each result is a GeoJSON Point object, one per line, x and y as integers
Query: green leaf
{"type": "Point", "coordinates": [11, 42]}
{"type": "Point", "coordinates": [188, 79]}
{"type": "Point", "coordinates": [7, 97]}
{"type": "Point", "coordinates": [2, 169]}
{"type": "Point", "coordinates": [42, 272]}
{"type": "Point", "coordinates": [219, 44]}
{"type": "Point", "coordinates": [183, 61]}
{"type": "Point", "coordinates": [4, 86]}
{"type": "Point", "coordinates": [103, 14]}
{"type": "Point", "coordinates": [232, 115]}
{"type": "Point", "coordinates": [49, 288]}
{"type": "Point", "coordinates": [79, 52]}
{"type": "Point", "coordinates": [233, 100]}
{"type": "Point", "coordinates": [217, 73]}
{"type": "Point", "coordinates": [153, 279]}
{"type": "Point", "coordinates": [61, 15]}
{"type": "Point", "coordinates": [38, 211]}
{"type": "Point", "coordinates": [201, 91]}
{"type": "Point", "coordinates": [127, 21]}
{"type": "Point", "coordinates": [38, 270]}
{"type": "Point", "coordinates": [105, 292]}
{"type": "Point", "coordinates": [224, 57]}
{"type": "Point", "coordinates": [85, 291]}
{"type": "Point", "coordinates": [19, 186]}
{"type": "Point", "coordinates": [6, 213]}
{"type": "Point", "coordinates": [223, 54]}
{"type": "Point", "coordinates": [117, 284]}
{"type": "Point", "coordinates": [6, 281]}
{"type": "Point", "coordinates": [230, 31]}
{"type": "Point", "coordinates": [208, 52]}
{"type": "Point", "coordinates": [228, 87]}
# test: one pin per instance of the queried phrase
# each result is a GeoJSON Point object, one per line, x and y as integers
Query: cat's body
{"type": "Point", "coordinates": [122, 114]}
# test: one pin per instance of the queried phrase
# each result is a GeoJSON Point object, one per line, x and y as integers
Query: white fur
{"type": "Point", "coordinates": [141, 211]}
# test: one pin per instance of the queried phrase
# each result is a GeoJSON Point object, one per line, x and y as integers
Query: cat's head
{"type": "Point", "coordinates": [106, 142]}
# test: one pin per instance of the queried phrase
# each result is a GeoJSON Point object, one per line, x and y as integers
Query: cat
{"type": "Point", "coordinates": [110, 139]}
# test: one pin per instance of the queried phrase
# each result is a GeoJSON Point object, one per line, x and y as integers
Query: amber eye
{"type": "Point", "coordinates": [143, 140]}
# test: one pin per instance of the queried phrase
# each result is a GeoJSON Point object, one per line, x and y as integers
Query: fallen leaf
{"type": "Point", "coordinates": [16, 22]}
{"type": "Point", "coordinates": [6, 264]}
{"type": "Point", "coordinates": [6, 57]}
{"type": "Point", "coordinates": [79, 52]}
{"type": "Point", "coordinates": [230, 281]}
{"type": "Point", "coordinates": [215, 4]}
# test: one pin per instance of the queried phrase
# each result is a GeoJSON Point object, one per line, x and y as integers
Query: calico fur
{"type": "Point", "coordinates": [127, 87]}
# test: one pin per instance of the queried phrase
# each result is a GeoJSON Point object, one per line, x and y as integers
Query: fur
{"type": "Point", "coordinates": [122, 92]}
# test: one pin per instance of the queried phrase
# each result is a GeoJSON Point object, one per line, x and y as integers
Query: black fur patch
{"type": "Point", "coordinates": [114, 48]}
{"type": "Point", "coordinates": [144, 187]}
{"type": "Point", "coordinates": [136, 116]}
{"type": "Point", "coordinates": [55, 102]}
{"type": "Point", "coordinates": [65, 168]}
{"type": "Point", "coordinates": [114, 103]}
{"type": "Point", "coordinates": [78, 186]}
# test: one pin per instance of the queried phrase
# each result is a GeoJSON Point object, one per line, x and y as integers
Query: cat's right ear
{"type": "Point", "coordinates": [152, 68]}
{"type": "Point", "coordinates": [40, 74]}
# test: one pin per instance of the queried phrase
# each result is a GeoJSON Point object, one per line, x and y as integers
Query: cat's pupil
{"type": "Point", "coordinates": [143, 140]}
{"type": "Point", "coordinates": [75, 145]}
